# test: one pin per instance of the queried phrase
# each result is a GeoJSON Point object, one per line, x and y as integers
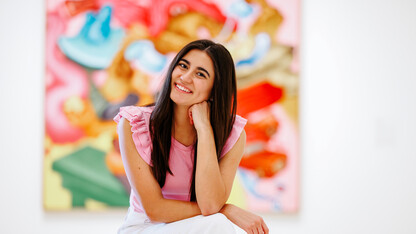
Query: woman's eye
{"type": "Point", "coordinates": [182, 65]}
{"type": "Point", "coordinates": [200, 74]}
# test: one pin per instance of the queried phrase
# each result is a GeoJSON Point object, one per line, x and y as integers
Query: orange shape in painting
{"type": "Point", "coordinates": [257, 97]}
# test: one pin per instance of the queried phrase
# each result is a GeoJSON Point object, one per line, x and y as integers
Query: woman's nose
{"type": "Point", "coordinates": [186, 78]}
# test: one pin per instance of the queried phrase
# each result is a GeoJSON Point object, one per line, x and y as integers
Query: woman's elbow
{"type": "Point", "coordinates": [153, 215]}
{"type": "Point", "coordinates": [210, 208]}
{"type": "Point", "coordinates": [152, 218]}
{"type": "Point", "coordinates": [153, 212]}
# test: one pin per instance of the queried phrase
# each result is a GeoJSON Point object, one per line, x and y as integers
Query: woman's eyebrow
{"type": "Point", "coordinates": [186, 61]}
{"type": "Point", "coordinates": [203, 69]}
{"type": "Point", "coordinates": [199, 68]}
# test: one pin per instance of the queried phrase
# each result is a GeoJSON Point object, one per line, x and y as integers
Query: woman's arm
{"type": "Point", "coordinates": [146, 187]}
{"type": "Point", "coordinates": [213, 180]}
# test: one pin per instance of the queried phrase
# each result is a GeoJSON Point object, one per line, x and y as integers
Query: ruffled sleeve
{"type": "Point", "coordinates": [139, 120]}
{"type": "Point", "coordinates": [238, 127]}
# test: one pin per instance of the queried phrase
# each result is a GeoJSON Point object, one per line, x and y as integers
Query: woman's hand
{"type": "Point", "coordinates": [247, 221]}
{"type": "Point", "coordinates": [199, 115]}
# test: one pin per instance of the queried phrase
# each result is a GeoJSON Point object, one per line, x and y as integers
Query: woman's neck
{"type": "Point", "coordinates": [182, 130]}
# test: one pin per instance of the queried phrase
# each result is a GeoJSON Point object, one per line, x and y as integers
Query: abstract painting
{"type": "Point", "coordinates": [105, 54]}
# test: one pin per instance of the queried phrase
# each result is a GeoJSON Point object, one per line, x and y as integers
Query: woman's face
{"type": "Point", "coordinates": [192, 79]}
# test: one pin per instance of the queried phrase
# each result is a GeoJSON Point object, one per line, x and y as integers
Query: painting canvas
{"type": "Point", "coordinates": [105, 54]}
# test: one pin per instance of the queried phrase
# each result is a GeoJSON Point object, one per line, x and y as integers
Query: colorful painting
{"type": "Point", "coordinates": [105, 54]}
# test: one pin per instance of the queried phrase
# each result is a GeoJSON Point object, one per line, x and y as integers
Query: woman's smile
{"type": "Point", "coordinates": [182, 88]}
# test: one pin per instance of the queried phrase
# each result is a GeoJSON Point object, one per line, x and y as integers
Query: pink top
{"type": "Point", "coordinates": [181, 157]}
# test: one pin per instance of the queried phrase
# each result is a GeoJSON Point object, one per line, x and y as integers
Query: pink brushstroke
{"type": "Point", "coordinates": [66, 79]}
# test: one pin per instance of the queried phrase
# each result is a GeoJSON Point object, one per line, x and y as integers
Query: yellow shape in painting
{"type": "Point", "coordinates": [103, 142]}
{"type": "Point", "coordinates": [237, 196]}
{"type": "Point", "coordinates": [55, 196]}
{"type": "Point", "coordinates": [74, 104]}
{"type": "Point", "coordinates": [91, 204]}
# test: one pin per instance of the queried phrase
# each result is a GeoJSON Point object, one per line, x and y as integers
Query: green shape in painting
{"type": "Point", "coordinates": [85, 174]}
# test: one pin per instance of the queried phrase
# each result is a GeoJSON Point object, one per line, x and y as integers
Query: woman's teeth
{"type": "Point", "coordinates": [183, 88]}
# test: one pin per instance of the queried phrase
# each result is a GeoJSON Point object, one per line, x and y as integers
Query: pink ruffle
{"type": "Point", "coordinates": [139, 120]}
{"type": "Point", "coordinates": [238, 127]}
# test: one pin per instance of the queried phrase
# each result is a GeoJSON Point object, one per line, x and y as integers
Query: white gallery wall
{"type": "Point", "coordinates": [358, 130]}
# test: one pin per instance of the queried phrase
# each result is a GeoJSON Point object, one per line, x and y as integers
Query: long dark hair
{"type": "Point", "coordinates": [222, 113]}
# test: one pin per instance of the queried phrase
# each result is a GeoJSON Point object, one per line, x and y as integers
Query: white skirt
{"type": "Point", "coordinates": [135, 223]}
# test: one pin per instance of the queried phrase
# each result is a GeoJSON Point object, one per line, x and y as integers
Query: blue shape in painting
{"type": "Point", "coordinates": [240, 8]}
{"type": "Point", "coordinates": [250, 183]}
{"type": "Point", "coordinates": [146, 55]}
{"type": "Point", "coordinates": [261, 48]}
{"type": "Point", "coordinates": [96, 44]}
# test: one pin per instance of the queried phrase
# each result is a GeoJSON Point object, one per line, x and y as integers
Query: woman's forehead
{"type": "Point", "coordinates": [199, 58]}
{"type": "Point", "coordinates": [196, 55]}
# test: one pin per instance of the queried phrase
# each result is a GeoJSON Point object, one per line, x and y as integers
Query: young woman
{"type": "Point", "coordinates": [181, 155]}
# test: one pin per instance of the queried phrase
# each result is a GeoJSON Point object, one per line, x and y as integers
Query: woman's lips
{"type": "Point", "coordinates": [182, 88]}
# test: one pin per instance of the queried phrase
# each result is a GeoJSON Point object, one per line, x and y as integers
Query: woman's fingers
{"type": "Point", "coordinates": [254, 225]}
{"type": "Point", "coordinates": [258, 225]}
{"type": "Point", "coordinates": [191, 120]}
{"type": "Point", "coordinates": [260, 230]}
{"type": "Point", "coordinates": [264, 226]}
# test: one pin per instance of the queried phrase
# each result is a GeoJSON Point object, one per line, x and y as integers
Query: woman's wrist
{"type": "Point", "coordinates": [204, 130]}
{"type": "Point", "coordinates": [225, 210]}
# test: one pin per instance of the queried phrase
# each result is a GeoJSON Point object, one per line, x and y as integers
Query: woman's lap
{"type": "Point", "coordinates": [216, 223]}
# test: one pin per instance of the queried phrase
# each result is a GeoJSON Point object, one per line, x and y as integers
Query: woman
{"type": "Point", "coordinates": [181, 154]}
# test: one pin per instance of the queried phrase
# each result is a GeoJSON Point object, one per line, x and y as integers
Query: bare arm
{"type": "Point", "coordinates": [213, 180]}
{"type": "Point", "coordinates": [146, 187]}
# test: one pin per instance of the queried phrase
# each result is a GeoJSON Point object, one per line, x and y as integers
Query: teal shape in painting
{"type": "Point", "coordinates": [96, 44]}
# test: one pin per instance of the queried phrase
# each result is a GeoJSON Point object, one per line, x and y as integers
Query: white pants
{"type": "Point", "coordinates": [135, 223]}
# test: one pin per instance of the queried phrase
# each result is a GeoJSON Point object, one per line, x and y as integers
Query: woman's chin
{"type": "Point", "coordinates": [181, 102]}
